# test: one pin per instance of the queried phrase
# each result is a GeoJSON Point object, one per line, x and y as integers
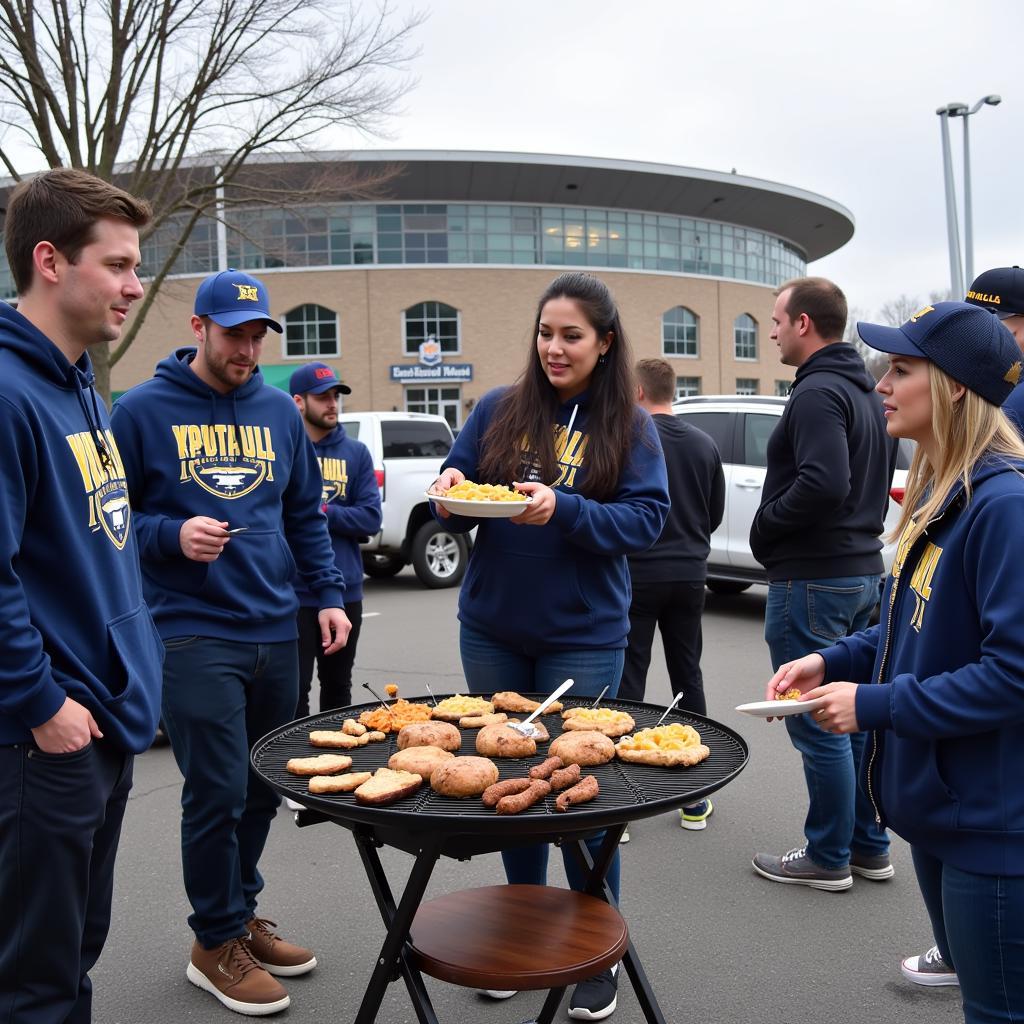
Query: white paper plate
{"type": "Point", "coordinates": [481, 509]}
{"type": "Point", "coordinates": [779, 708]}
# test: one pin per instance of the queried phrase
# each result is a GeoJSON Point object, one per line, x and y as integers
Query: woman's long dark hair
{"type": "Point", "coordinates": [528, 409]}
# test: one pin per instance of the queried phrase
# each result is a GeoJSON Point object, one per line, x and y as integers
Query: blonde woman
{"type": "Point", "coordinates": [944, 767]}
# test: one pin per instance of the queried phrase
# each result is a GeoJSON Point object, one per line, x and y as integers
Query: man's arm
{"type": "Point", "coordinates": [716, 503]}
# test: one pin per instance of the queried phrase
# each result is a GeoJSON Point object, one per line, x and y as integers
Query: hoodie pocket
{"type": "Point", "coordinates": [140, 654]}
{"type": "Point", "coordinates": [252, 576]}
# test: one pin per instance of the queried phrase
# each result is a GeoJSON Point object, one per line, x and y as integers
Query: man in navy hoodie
{"type": "Point", "coordinates": [225, 488]}
{"type": "Point", "coordinates": [79, 655]}
{"type": "Point", "coordinates": [351, 502]}
{"type": "Point", "coordinates": [825, 495]}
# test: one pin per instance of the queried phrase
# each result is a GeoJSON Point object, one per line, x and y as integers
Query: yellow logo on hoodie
{"type": "Point", "coordinates": [335, 474]}
{"type": "Point", "coordinates": [227, 460]}
{"type": "Point", "coordinates": [104, 485]}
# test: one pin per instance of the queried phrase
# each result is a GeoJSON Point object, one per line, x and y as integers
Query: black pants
{"type": "Point", "coordinates": [60, 821]}
{"type": "Point", "coordinates": [675, 608]}
{"type": "Point", "coordinates": [334, 670]}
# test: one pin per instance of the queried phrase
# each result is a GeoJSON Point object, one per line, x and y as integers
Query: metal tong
{"type": "Point", "coordinates": [383, 703]}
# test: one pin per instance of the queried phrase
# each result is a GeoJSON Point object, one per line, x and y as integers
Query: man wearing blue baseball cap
{"type": "Point", "coordinates": [226, 494]}
{"type": "Point", "coordinates": [351, 502]}
{"type": "Point", "coordinates": [1001, 291]}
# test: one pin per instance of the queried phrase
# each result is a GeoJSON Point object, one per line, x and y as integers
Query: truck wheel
{"type": "Point", "coordinates": [727, 586]}
{"type": "Point", "coordinates": [439, 557]}
{"type": "Point", "coordinates": [380, 567]}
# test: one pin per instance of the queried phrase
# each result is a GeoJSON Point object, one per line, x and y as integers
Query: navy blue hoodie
{"type": "Point", "coordinates": [945, 764]}
{"type": "Point", "coordinates": [73, 622]}
{"type": "Point", "coordinates": [564, 585]}
{"type": "Point", "coordinates": [241, 458]}
{"type": "Point", "coordinates": [351, 502]}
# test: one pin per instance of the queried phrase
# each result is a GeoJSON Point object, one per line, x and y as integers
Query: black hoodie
{"type": "Point", "coordinates": [830, 466]}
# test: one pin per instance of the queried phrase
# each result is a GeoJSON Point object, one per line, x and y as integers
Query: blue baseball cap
{"type": "Point", "coordinates": [315, 379]}
{"type": "Point", "coordinates": [231, 298]}
{"type": "Point", "coordinates": [963, 340]}
{"type": "Point", "coordinates": [1000, 291]}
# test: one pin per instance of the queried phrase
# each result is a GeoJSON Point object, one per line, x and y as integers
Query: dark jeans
{"type": "Point", "coordinates": [60, 821]}
{"type": "Point", "coordinates": [219, 698]}
{"type": "Point", "coordinates": [803, 616]}
{"type": "Point", "coordinates": [978, 923]}
{"type": "Point", "coordinates": [333, 670]}
{"type": "Point", "coordinates": [675, 608]}
{"type": "Point", "coordinates": [489, 666]}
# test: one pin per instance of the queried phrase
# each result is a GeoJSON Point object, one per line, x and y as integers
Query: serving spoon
{"type": "Point", "coordinates": [530, 731]}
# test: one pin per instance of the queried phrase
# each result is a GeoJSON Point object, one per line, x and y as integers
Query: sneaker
{"type": "Point", "coordinates": [276, 955]}
{"type": "Point", "coordinates": [929, 969]}
{"type": "Point", "coordinates": [695, 817]}
{"type": "Point", "coordinates": [231, 973]}
{"type": "Point", "coordinates": [624, 838]}
{"type": "Point", "coordinates": [498, 993]}
{"type": "Point", "coordinates": [796, 868]}
{"type": "Point", "coordinates": [877, 868]}
{"type": "Point", "coordinates": [293, 805]}
{"type": "Point", "coordinates": [595, 998]}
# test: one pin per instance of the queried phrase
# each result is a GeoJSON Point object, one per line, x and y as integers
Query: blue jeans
{"type": "Point", "coordinates": [978, 922]}
{"type": "Point", "coordinates": [221, 696]}
{"type": "Point", "coordinates": [803, 616]}
{"type": "Point", "coordinates": [488, 666]}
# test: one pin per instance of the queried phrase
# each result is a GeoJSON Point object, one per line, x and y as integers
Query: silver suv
{"type": "Point", "coordinates": [740, 425]}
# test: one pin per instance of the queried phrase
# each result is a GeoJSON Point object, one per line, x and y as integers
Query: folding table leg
{"type": "Point", "coordinates": [393, 956]}
{"type": "Point", "coordinates": [597, 885]}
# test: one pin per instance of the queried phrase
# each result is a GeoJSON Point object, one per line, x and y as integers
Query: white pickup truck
{"type": "Point", "coordinates": [408, 449]}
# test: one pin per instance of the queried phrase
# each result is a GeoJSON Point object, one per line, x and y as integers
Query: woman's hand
{"type": "Point", "coordinates": [803, 674]}
{"type": "Point", "coordinates": [541, 509]}
{"type": "Point", "coordinates": [448, 479]}
{"type": "Point", "coordinates": [838, 713]}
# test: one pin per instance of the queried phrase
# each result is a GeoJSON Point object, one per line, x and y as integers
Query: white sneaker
{"type": "Point", "coordinates": [624, 838]}
{"type": "Point", "coordinates": [498, 993]}
{"type": "Point", "coordinates": [293, 805]}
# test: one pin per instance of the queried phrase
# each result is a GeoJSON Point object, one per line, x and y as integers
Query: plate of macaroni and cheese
{"type": "Point", "coordinates": [482, 501]}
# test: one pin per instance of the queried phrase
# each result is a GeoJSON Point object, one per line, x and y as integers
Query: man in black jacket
{"type": "Point", "coordinates": [668, 578]}
{"type": "Point", "coordinates": [826, 491]}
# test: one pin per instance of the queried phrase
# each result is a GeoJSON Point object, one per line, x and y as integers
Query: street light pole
{"type": "Point", "coordinates": [956, 284]}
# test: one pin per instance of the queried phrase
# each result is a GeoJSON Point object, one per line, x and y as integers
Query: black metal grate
{"type": "Point", "coordinates": [628, 791]}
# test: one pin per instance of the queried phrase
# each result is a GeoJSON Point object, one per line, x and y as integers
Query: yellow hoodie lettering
{"type": "Point", "coordinates": [335, 475]}
{"type": "Point", "coordinates": [104, 487]}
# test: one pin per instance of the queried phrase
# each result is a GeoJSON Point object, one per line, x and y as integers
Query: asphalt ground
{"type": "Point", "coordinates": [720, 944]}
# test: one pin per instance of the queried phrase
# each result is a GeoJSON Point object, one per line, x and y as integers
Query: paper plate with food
{"type": "Point", "coordinates": [482, 501]}
{"type": "Point", "coordinates": [787, 703]}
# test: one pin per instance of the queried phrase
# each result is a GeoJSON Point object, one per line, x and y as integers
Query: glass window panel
{"type": "Point", "coordinates": [311, 330]}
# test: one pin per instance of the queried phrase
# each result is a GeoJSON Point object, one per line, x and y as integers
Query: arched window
{"type": "Point", "coordinates": [428, 320]}
{"type": "Point", "coordinates": [310, 330]}
{"type": "Point", "coordinates": [744, 334]}
{"type": "Point", "coordinates": [680, 332]}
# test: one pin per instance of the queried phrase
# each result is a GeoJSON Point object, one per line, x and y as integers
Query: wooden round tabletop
{"type": "Point", "coordinates": [517, 937]}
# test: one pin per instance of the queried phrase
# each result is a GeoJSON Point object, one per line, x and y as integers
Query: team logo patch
{"type": "Point", "coordinates": [104, 485]}
{"type": "Point", "coordinates": [335, 475]}
{"type": "Point", "coordinates": [247, 293]}
{"type": "Point", "coordinates": [1012, 375]}
{"type": "Point", "coordinates": [225, 460]}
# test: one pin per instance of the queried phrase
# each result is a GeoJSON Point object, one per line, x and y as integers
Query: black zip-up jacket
{"type": "Point", "coordinates": [830, 466]}
{"type": "Point", "coordinates": [696, 487]}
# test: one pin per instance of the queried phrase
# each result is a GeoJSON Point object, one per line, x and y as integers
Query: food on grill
{"type": "Point", "coordinates": [583, 791]}
{"type": "Point", "coordinates": [545, 768]}
{"type": "Point", "coordinates": [583, 748]}
{"type": "Point", "coordinates": [391, 689]}
{"type": "Point", "coordinates": [504, 741]}
{"type": "Point", "coordinates": [353, 728]}
{"type": "Point", "coordinates": [320, 764]}
{"type": "Point", "coordinates": [337, 738]}
{"type": "Point", "coordinates": [666, 746]}
{"type": "Point", "coordinates": [542, 735]}
{"type": "Point", "coordinates": [604, 720]}
{"type": "Point", "coordinates": [508, 700]}
{"type": "Point", "coordinates": [518, 802]}
{"type": "Point", "coordinates": [479, 721]}
{"type": "Point", "coordinates": [451, 709]}
{"type": "Point", "coordinates": [338, 783]}
{"type": "Point", "coordinates": [430, 734]}
{"type": "Point", "coordinates": [470, 491]}
{"type": "Point", "coordinates": [464, 776]}
{"type": "Point", "coordinates": [376, 737]}
{"type": "Point", "coordinates": [386, 786]}
{"type": "Point", "coordinates": [392, 718]}
{"type": "Point", "coordinates": [507, 787]}
{"type": "Point", "coordinates": [419, 760]}
{"type": "Point", "coordinates": [565, 777]}
{"type": "Point", "coordinates": [791, 694]}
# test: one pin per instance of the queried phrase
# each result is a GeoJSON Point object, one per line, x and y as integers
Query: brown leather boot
{"type": "Point", "coordinates": [231, 973]}
{"type": "Point", "coordinates": [277, 955]}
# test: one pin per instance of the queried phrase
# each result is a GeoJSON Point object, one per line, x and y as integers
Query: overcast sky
{"type": "Point", "coordinates": [838, 99]}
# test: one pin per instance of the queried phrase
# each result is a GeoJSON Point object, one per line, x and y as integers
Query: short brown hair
{"type": "Point", "coordinates": [658, 379]}
{"type": "Point", "coordinates": [823, 302]}
{"type": "Point", "coordinates": [61, 207]}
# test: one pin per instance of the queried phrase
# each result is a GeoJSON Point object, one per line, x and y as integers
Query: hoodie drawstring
{"type": "Point", "coordinates": [93, 420]}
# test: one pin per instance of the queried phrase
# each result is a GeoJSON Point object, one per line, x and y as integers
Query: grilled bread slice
{"type": "Point", "coordinates": [387, 786]}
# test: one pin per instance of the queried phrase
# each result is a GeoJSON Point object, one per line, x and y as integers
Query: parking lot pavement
{"type": "Point", "coordinates": [720, 944]}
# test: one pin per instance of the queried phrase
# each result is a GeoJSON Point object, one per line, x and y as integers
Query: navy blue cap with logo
{"type": "Point", "coordinates": [315, 379]}
{"type": "Point", "coordinates": [1000, 291]}
{"type": "Point", "coordinates": [963, 340]}
{"type": "Point", "coordinates": [232, 297]}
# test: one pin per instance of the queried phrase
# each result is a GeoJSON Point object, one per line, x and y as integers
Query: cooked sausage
{"type": "Point", "coordinates": [565, 777]}
{"type": "Point", "coordinates": [545, 768]}
{"type": "Point", "coordinates": [579, 794]}
{"type": "Point", "coordinates": [537, 790]}
{"type": "Point", "coordinates": [509, 787]}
